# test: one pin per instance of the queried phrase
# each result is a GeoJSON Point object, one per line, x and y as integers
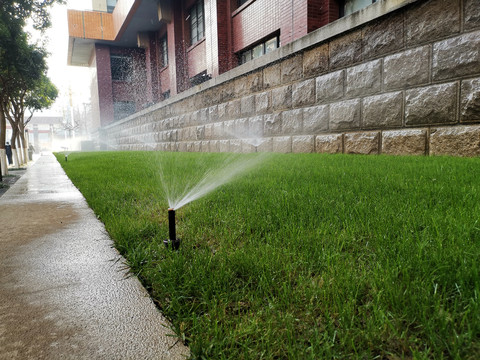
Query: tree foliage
{"type": "Point", "coordinates": [23, 81]}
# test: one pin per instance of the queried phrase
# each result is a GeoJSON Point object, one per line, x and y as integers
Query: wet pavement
{"type": "Point", "coordinates": [64, 290]}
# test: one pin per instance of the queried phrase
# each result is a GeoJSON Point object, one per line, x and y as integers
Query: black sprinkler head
{"type": "Point", "coordinates": [66, 157]}
{"type": "Point", "coordinates": [172, 242]}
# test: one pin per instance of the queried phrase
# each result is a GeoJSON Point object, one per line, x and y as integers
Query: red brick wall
{"type": "Point", "coordinates": [104, 78]}
{"type": "Point", "coordinates": [196, 59]}
{"type": "Point", "coordinates": [293, 18]}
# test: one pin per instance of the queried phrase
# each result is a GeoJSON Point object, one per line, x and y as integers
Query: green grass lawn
{"type": "Point", "coordinates": [307, 257]}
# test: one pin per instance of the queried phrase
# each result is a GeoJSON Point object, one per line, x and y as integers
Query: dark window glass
{"type": "Point", "coordinates": [241, 2]}
{"type": "Point", "coordinates": [351, 6]}
{"type": "Point", "coordinates": [197, 23]}
{"type": "Point", "coordinates": [258, 50]}
{"type": "Point", "coordinates": [164, 51]}
{"type": "Point", "coordinates": [111, 5]}
{"type": "Point", "coordinates": [121, 66]}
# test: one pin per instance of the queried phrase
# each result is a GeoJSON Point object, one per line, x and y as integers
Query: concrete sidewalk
{"type": "Point", "coordinates": [64, 290]}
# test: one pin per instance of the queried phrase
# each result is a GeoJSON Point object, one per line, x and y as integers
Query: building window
{"type": "Point", "coordinates": [163, 51]}
{"type": "Point", "coordinates": [241, 2]}
{"type": "Point", "coordinates": [121, 66]}
{"type": "Point", "coordinates": [258, 50]}
{"type": "Point", "coordinates": [197, 23]}
{"type": "Point", "coordinates": [111, 5]}
{"type": "Point", "coordinates": [122, 109]}
{"type": "Point", "coordinates": [351, 6]}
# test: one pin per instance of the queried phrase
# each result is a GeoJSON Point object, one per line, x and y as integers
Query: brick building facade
{"type": "Point", "coordinates": [156, 43]}
{"type": "Point", "coordinates": [396, 77]}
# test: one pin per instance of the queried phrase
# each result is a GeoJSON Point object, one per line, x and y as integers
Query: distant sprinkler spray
{"type": "Point", "coordinates": [172, 241]}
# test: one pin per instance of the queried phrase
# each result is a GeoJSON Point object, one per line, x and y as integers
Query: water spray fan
{"type": "Point", "coordinates": [172, 242]}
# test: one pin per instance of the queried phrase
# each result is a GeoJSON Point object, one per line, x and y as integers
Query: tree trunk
{"type": "Point", "coordinates": [13, 143]}
{"type": "Point", "coordinates": [21, 155]}
{"type": "Point", "coordinates": [23, 142]}
{"type": "Point", "coordinates": [3, 138]}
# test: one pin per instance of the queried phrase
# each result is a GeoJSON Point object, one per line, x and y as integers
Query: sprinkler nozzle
{"type": "Point", "coordinates": [66, 157]}
{"type": "Point", "coordinates": [172, 241]}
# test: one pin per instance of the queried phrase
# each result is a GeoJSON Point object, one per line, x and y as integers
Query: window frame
{"type": "Point", "coordinates": [248, 54]}
{"type": "Point", "coordinates": [124, 68]}
{"type": "Point", "coordinates": [197, 22]}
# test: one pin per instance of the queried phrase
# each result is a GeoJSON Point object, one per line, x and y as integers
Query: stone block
{"type": "Point", "coordinates": [197, 146]}
{"type": "Point", "coordinates": [222, 111]}
{"type": "Point", "coordinates": [315, 119]}
{"type": "Point", "coordinates": [241, 128]}
{"type": "Point", "coordinates": [209, 131]}
{"type": "Point", "coordinates": [241, 86]}
{"type": "Point", "coordinates": [181, 147]}
{"type": "Point", "coordinates": [249, 146]}
{"type": "Point", "coordinates": [214, 146]}
{"type": "Point", "coordinates": [346, 50]}
{"type": "Point", "coordinates": [292, 122]}
{"type": "Point", "coordinates": [282, 144]}
{"type": "Point", "coordinates": [200, 133]}
{"type": "Point", "coordinates": [247, 105]}
{"type": "Point", "coordinates": [431, 105]}
{"type": "Point", "coordinates": [366, 143]}
{"type": "Point", "coordinates": [236, 145]}
{"type": "Point", "coordinates": [472, 14]}
{"type": "Point", "coordinates": [303, 144]}
{"type": "Point", "coordinates": [404, 142]}
{"type": "Point", "coordinates": [263, 102]}
{"type": "Point", "coordinates": [217, 132]}
{"type": "Point", "coordinates": [272, 124]}
{"type": "Point", "coordinates": [227, 91]}
{"type": "Point", "coordinates": [224, 145]}
{"type": "Point", "coordinates": [255, 81]}
{"type": "Point", "coordinates": [345, 115]}
{"type": "Point", "coordinates": [364, 79]}
{"type": "Point", "coordinates": [383, 36]}
{"type": "Point", "coordinates": [229, 128]}
{"type": "Point", "coordinates": [266, 145]}
{"type": "Point", "coordinates": [272, 76]}
{"type": "Point", "coordinates": [458, 56]}
{"type": "Point", "coordinates": [432, 20]}
{"type": "Point", "coordinates": [303, 93]}
{"type": "Point", "coordinates": [189, 146]}
{"type": "Point", "coordinates": [233, 109]}
{"type": "Point", "coordinates": [203, 116]}
{"type": "Point", "coordinates": [330, 144]}
{"type": "Point", "coordinates": [282, 97]}
{"type": "Point", "coordinates": [292, 69]}
{"type": "Point", "coordinates": [315, 61]}
{"type": "Point", "coordinates": [456, 141]}
{"type": "Point", "coordinates": [205, 146]}
{"type": "Point", "coordinates": [383, 111]}
{"type": "Point", "coordinates": [213, 113]}
{"type": "Point", "coordinates": [406, 69]}
{"type": "Point", "coordinates": [329, 87]}
{"type": "Point", "coordinates": [470, 100]}
{"type": "Point", "coordinates": [255, 126]}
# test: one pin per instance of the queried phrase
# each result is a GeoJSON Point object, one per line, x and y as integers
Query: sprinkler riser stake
{"type": "Point", "coordinates": [172, 241]}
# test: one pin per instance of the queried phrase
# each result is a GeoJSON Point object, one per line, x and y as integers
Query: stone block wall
{"type": "Point", "coordinates": [406, 82]}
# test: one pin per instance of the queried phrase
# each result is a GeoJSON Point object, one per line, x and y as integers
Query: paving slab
{"type": "Point", "coordinates": [65, 292]}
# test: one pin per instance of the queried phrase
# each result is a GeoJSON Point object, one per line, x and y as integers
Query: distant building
{"type": "Point", "coordinates": [146, 51]}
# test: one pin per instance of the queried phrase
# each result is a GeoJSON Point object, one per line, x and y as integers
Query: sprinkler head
{"type": "Point", "coordinates": [172, 241]}
{"type": "Point", "coordinates": [66, 157]}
